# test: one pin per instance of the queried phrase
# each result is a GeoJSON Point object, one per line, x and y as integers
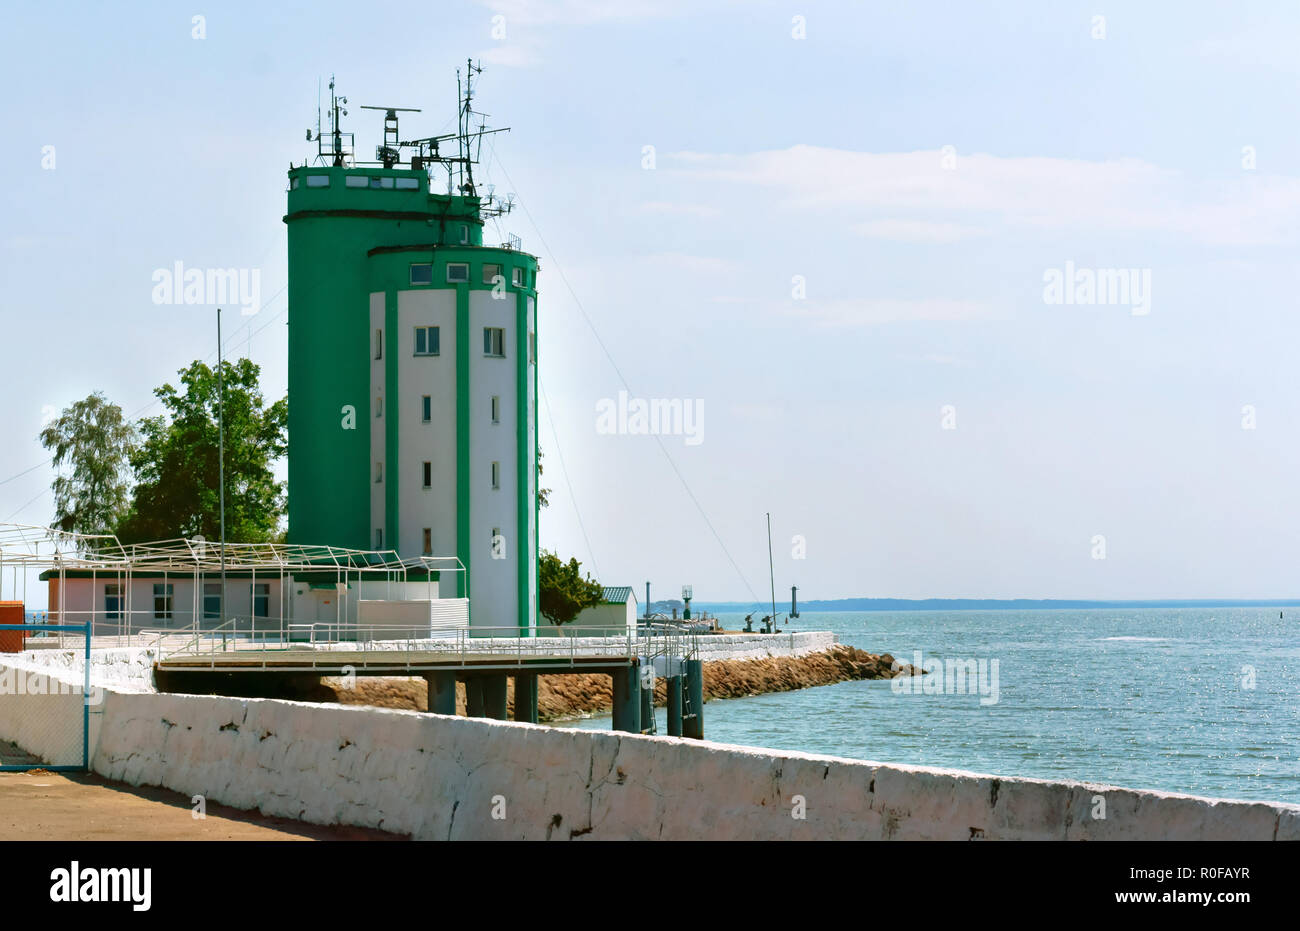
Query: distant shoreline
{"type": "Point", "coordinates": [986, 604]}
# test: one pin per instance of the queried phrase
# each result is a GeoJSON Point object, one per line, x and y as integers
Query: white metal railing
{"type": "Point", "coordinates": [309, 645]}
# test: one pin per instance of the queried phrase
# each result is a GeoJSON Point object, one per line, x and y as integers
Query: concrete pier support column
{"type": "Point", "coordinates": [442, 692]}
{"type": "Point", "coordinates": [494, 696]}
{"type": "Point", "coordinates": [627, 700]}
{"type": "Point", "coordinates": [693, 718]}
{"type": "Point", "coordinates": [526, 697]}
{"type": "Point", "coordinates": [474, 697]}
{"type": "Point", "coordinates": [674, 690]}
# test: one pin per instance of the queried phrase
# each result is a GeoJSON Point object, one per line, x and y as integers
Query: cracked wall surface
{"type": "Point", "coordinates": [438, 777]}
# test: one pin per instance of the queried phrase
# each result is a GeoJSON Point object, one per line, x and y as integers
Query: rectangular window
{"type": "Point", "coordinates": [408, 184]}
{"type": "Point", "coordinates": [427, 341]}
{"type": "Point", "coordinates": [356, 181]}
{"type": "Point", "coordinates": [496, 409]}
{"type": "Point", "coordinates": [491, 273]}
{"type": "Point", "coordinates": [426, 409]}
{"type": "Point", "coordinates": [379, 472]}
{"type": "Point", "coordinates": [464, 236]}
{"type": "Point", "coordinates": [162, 601]}
{"type": "Point", "coordinates": [261, 599]}
{"type": "Point", "coordinates": [377, 183]}
{"type": "Point", "coordinates": [211, 601]}
{"type": "Point", "coordinates": [379, 344]}
{"type": "Point", "coordinates": [318, 181]}
{"type": "Point", "coordinates": [113, 602]}
{"type": "Point", "coordinates": [421, 273]}
{"type": "Point", "coordinates": [293, 185]}
{"type": "Point", "coordinates": [517, 277]}
{"type": "Point", "coordinates": [379, 538]}
{"type": "Point", "coordinates": [496, 475]}
{"type": "Point", "coordinates": [379, 408]}
{"type": "Point", "coordinates": [428, 541]}
{"type": "Point", "coordinates": [494, 341]}
{"type": "Point", "coordinates": [458, 271]}
{"type": "Point", "coordinates": [428, 475]}
{"type": "Point", "coordinates": [532, 347]}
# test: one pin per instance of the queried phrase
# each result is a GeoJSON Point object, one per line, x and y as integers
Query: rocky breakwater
{"type": "Point", "coordinates": [568, 696]}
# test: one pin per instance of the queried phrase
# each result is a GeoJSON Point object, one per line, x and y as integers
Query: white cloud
{"type": "Point", "coordinates": [917, 231]}
{"type": "Point", "coordinates": [694, 264]}
{"type": "Point", "coordinates": [1128, 195]}
{"type": "Point", "coordinates": [581, 12]}
{"type": "Point", "coordinates": [703, 211]}
{"type": "Point", "coordinates": [855, 312]}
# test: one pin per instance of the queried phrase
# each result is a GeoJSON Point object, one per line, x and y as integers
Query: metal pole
{"type": "Point", "coordinates": [221, 462]}
{"type": "Point", "coordinates": [771, 572]}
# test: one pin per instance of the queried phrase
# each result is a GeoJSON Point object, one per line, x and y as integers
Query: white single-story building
{"type": "Point", "coordinates": [615, 614]}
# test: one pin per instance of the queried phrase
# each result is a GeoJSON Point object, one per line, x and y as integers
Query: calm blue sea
{"type": "Point", "coordinates": [1150, 698]}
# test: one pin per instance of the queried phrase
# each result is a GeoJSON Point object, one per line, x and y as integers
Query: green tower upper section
{"type": "Point", "coordinates": [354, 231]}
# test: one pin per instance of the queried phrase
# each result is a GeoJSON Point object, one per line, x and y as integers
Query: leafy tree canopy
{"type": "Point", "coordinates": [564, 589]}
{"type": "Point", "coordinates": [176, 465]}
{"type": "Point", "coordinates": [92, 443]}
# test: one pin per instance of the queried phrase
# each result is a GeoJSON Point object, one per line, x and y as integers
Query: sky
{"type": "Point", "coordinates": [829, 230]}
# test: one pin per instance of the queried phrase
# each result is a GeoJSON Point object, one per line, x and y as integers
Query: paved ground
{"type": "Point", "coordinates": [59, 806]}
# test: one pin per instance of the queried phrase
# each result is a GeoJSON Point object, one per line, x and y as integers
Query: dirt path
{"type": "Point", "coordinates": [58, 806]}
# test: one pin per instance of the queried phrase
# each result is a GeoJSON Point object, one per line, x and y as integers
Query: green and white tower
{"type": "Point", "coordinates": [413, 364]}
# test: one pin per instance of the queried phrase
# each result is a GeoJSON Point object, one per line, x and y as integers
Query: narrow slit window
{"type": "Point", "coordinates": [496, 409]}
{"type": "Point", "coordinates": [428, 541]}
{"type": "Point", "coordinates": [428, 474]}
{"type": "Point", "coordinates": [379, 344]}
{"type": "Point", "coordinates": [426, 409]}
{"type": "Point", "coordinates": [379, 472]}
{"type": "Point", "coordinates": [496, 475]}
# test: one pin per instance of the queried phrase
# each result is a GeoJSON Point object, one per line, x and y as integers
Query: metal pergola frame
{"type": "Point", "coordinates": [29, 547]}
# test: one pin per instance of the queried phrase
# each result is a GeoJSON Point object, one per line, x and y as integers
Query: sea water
{"type": "Point", "coordinates": [1198, 700]}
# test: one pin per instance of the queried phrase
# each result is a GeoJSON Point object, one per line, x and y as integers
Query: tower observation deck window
{"type": "Point", "coordinates": [356, 181]}
{"type": "Point", "coordinates": [494, 341]}
{"type": "Point", "coordinates": [408, 184]}
{"type": "Point", "coordinates": [427, 341]}
{"type": "Point", "coordinates": [491, 273]}
{"type": "Point", "coordinates": [422, 273]}
{"type": "Point", "coordinates": [517, 277]}
{"type": "Point", "coordinates": [318, 181]}
{"type": "Point", "coordinates": [464, 233]}
{"type": "Point", "coordinates": [457, 271]}
{"type": "Point", "coordinates": [379, 183]}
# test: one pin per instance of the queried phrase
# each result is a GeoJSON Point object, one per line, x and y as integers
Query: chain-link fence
{"type": "Point", "coordinates": [44, 709]}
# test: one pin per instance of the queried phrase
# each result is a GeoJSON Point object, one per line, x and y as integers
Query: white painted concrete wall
{"type": "Point", "coordinates": [437, 777]}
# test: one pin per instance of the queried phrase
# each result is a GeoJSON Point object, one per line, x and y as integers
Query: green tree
{"type": "Point", "coordinates": [543, 494]}
{"type": "Point", "coordinates": [564, 591]}
{"type": "Point", "coordinates": [94, 441]}
{"type": "Point", "coordinates": [176, 467]}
